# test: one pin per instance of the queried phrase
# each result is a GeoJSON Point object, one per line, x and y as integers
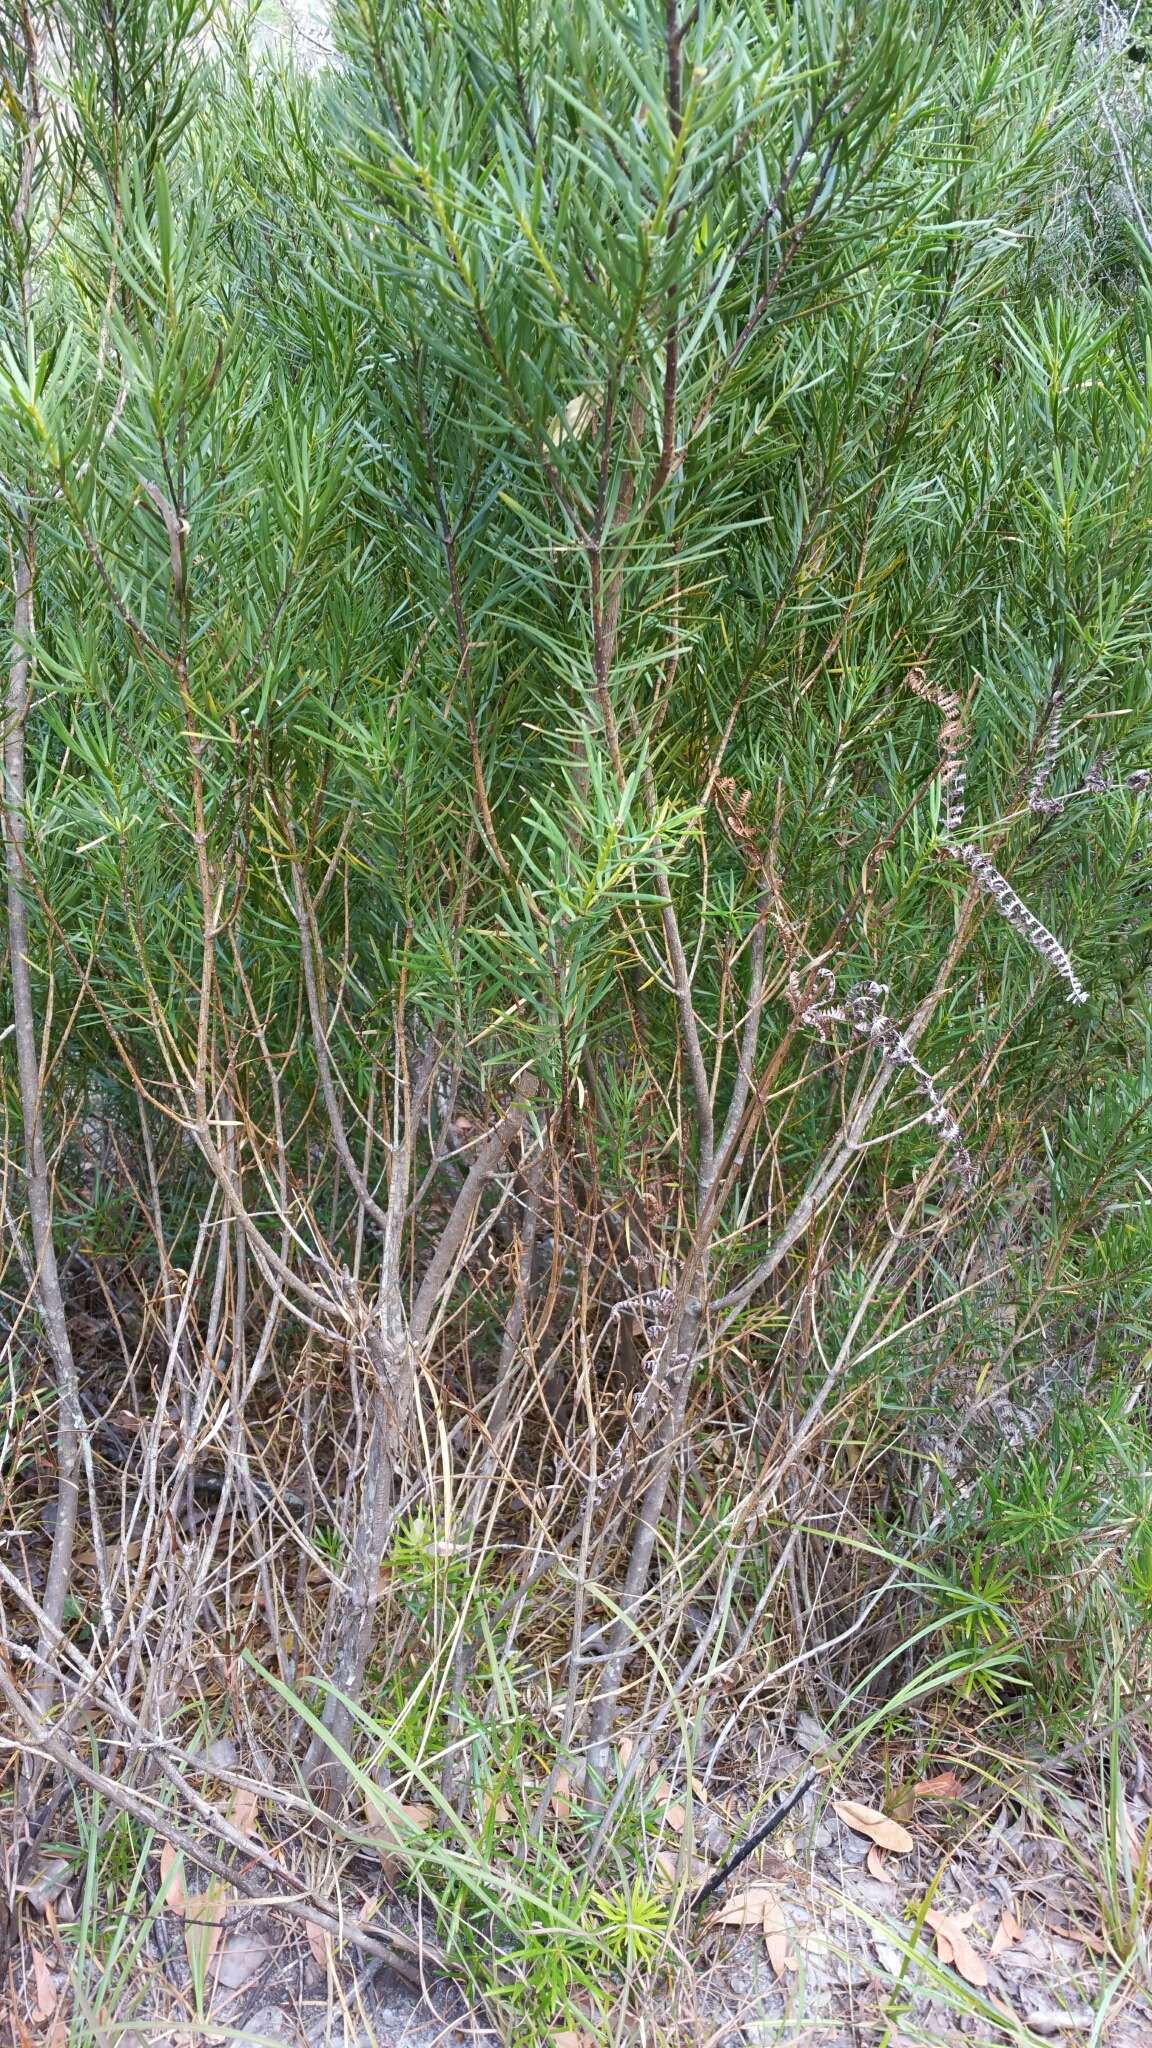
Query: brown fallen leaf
{"type": "Point", "coordinates": [744, 1909]}
{"type": "Point", "coordinates": [758, 1906]}
{"type": "Point", "coordinates": [1095, 1943]}
{"type": "Point", "coordinates": [673, 1810]}
{"type": "Point", "coordinates": [391, 1822]}
{"type": "Point", "coordinates": [783, 1868]}
{"type": "Point", "coordinates": [877, 1867]}
{"type": "Point", "coordinates": [571, 2037]}
{"type": "Point", "coordinates": [172, 1877]}
{"type": "Point", "coordinates": [562, 1796]}
{"type": "Point", "coordinates": [45, 1881]}
{"type": "Point", "coordinates": [667, 1863]}
{"type": "Point", "coordinates": [203, 1919]}
{"type": "Point", "coordinates": [115, 1555]}
{"type": "Point", "coordinates": [902, 1804]}
{"type": "Point", "coordinates": [242, 1812]}
{"type": "Point", "coordinates": [46, 1994]}
{"type": "Point", "coordinates": [1007, 1934]}
{"type": "Point", "coordinates": [780, 1955]}
{"type": "Point", "coordinates": [499, 1810]}
{"type": "Point", "coordinates": [317, 1941]}
{"type": "Point", "coordinates": [953, 1946]}
{"type": "Point", "coordinates": [241, 1959]}
{"type": "Point", "coordinates": [878, 1827]}
{"type": "Point", "coordinates": [945, 1785]}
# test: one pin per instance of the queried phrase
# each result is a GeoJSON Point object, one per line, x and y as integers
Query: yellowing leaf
{"type": "Point", "coordinates": [878, 1827]}
{"type": "Point", "coordinates": [578, 415]}
{"type": "Point", "coordinates": [953, 1946]}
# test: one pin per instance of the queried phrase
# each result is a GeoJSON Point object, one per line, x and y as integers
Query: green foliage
{"type": "Point", "coordinates": [489, 498]}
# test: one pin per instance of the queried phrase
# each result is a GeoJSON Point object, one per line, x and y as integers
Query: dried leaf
{"type": "Point", "coordinates": [943, 1945]}
{"type": "Point", "coordinates": [242, 1812]}
{"type": "Point", "coordinates": [1007, 1934]}
{"type": "Point", "coordinates": [317, 1940]}
{"type": "Point", "coordinates": [45, 1882]}
{"type": "Point", "coordinates": [570, 2037]}
{"type": "Point", "coordinates": [953, 1946]}
{"type": "Point", "coordinates": [561, 1800]}
{"type": "Point", "coordinates": [1095, 1943]}
{"type": "Point", "coordinates": [499, 1810]}
{"type": "Point", "coordinates": [780, 1955]}
{"type": "Point", "coordinates": [879, 1827]}
{"type": "Point", "coordinates": [945, 1785]}
{"type": "Point", "coordinates": [578, 415]}
{"type": "Point", "coordinates": [624, 1750]}
{"type": "Point", "coordinates": [45, 2004]}
{"type": "Point", "coordinates": [673, 1810]}
{"type": "Point", "coordinates": [877, 1867]}
{"type": "Point", "coordinates": [242, 1958]}
{"type": "Point", "coordinates": [203, 1917]}
{"type": "Point", "coordinates": [746, 1908]}
{"type": "Point", "coordinates": [172, 1877]}
{"type": "Point", "coordinates": [783, 1868]}
{"type": "Point", "coordinates": [391, 1822]}
{"type": "Point", "coordinates": [902, 1805]}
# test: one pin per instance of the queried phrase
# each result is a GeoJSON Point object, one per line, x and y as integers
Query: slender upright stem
{"type": "Point", "coordinates": [21, 670]}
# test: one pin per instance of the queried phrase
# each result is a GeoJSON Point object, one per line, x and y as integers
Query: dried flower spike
{"type": "Point", "coordinates": [869, 1018]}
{"type": "Point", "coordinates": [953, 751]}
{"type": "Point", "coordinates": [1048, 806]}
{"type": "Point", "coordinates": [987, 876]}
{"type": "Point", "coordinates": [984, 871]}
{"type": "Point", "coordinates": [732, 807]}
{"type": "Point", "coordinates": [864, 1010]}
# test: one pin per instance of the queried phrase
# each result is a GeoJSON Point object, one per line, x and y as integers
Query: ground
{"type": "Point", "coordinates": [1009, 1906]}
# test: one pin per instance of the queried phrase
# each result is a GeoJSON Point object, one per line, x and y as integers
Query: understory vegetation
{"type": "Point", "coordinates": [575, 1052]}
